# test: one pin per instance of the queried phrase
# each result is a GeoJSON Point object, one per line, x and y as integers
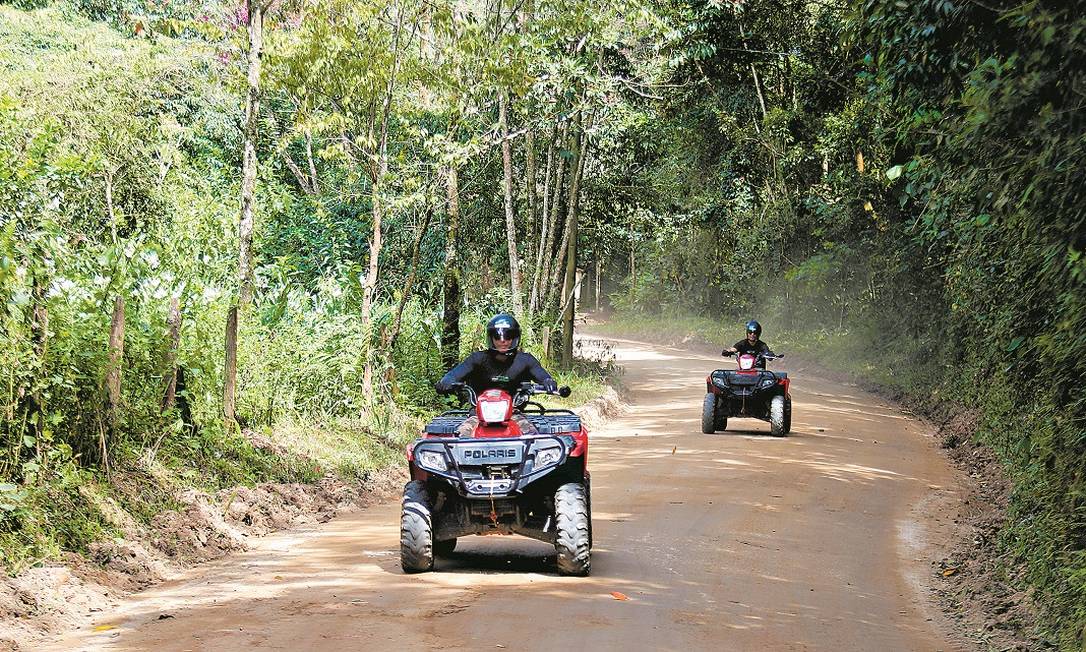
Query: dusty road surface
{"type": "Point", "coordinates": [732, 541]}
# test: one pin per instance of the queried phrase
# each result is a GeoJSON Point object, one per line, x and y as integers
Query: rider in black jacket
{"type": "Point", "coordinates": [501, 366]}
{"type": "Point", "coordinates": [752, 344]}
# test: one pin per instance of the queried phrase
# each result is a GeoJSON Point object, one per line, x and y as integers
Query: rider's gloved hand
{"type": "Point", "coordinates": [443, 387]}
{"type": "Point", "coordinates": [550, 384]}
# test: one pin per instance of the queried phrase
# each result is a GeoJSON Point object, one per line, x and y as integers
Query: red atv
{"type": "Point", "coordinates": [749, 391]}
{"type": "Point", "coordinates": [499, 481]}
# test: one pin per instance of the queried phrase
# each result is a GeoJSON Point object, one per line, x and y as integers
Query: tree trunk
{"type": "Point", "coordinates": [532, 228]}
{"type": "Point", "coordinates": [378, 171]}
{"type": "Point", "coordinates": [580, 150]}
{"type": "Point", "coordinates": [757, 82]}
{"type": "Point", "coordinates": [570, 236]}
{"type": "Point", "coordinates": [409, 284]}
{"type": "Point", "coordinates": [450, 333]}
{"type": "Point", "coordinates": [524, 20]}
{"type": "Point", "coordinates": [314, 185]}
{"type": "Point", "coordinates": [570, 285]}
{"type": "Point", "coordinates": [599, 273]}
{"type": "Point", "coordinates": [510, 217]}
{"type": "Point", "coordinates": [544, 231]}
{"type": "Point", "coordinates": [377, 214]}
{"type": "Point", "coordinates": [249, 160]}
{"type": "Point", "coordinates": [231, 373]}
{"type": "Point", "coordinates": [113, 377]}
{"type": "Point", "coordinates": [169, 376]}
{"type": "Point", "coordinates": [303, 180]}
{"type": "Point", "coordinates": [552, 225]}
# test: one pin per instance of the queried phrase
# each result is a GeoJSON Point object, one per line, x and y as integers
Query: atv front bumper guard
{"type": "Point", "coordinates": [492, 468]}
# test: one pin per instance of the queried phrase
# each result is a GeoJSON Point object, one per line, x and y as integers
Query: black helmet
{"type": "Point", "coordinates": [754, 327]}
{"type": "Point", "coordinates": [505, 327]}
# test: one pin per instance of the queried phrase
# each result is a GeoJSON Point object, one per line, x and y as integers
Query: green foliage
{"type": "Point", "coordinates": [908, 191]}
{"type": "Point", "coordinates": [119, 156]}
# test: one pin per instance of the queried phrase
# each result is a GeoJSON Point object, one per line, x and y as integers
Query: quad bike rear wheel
{"type": "Point", "coordinates": [416, 530]}
{"type": "Point", "coordinates": [708, 414]}
{"type": "Point", "coordinates": [778, 425]}
{"type": "Point", "coordinates": [573, 536]}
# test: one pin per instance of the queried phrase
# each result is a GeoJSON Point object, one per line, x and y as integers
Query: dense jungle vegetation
{"type": "Point", "coordinates": [283, 218]}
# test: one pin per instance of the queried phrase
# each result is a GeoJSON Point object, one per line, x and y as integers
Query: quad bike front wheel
{"type": "Point", "coordinates": [708, 414]}
{"type": "Point", "coordinates": [779, 423]}
{"type": "Point", "coordinates": [574, 523]}
{"type": "Point", "coordinates": [787, 415]}
{"type": "Point", "coordinates": [416, 530]}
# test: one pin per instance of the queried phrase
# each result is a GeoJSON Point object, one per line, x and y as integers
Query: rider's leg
{"type": "Point", "coordinates": [467, 429]}
{"type": "Point", "coordinates": [525, 425]}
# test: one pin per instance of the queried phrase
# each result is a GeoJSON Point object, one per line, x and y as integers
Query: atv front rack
{"type": "Point", "coordinates": [550, 422]}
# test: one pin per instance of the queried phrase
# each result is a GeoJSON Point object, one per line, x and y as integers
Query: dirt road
{"type": "Point", "coordinates": [733, 541]}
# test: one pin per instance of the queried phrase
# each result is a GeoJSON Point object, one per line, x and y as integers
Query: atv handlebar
{"type": "Point", "coordinates": [520, 396]}
{"type": "Point", "coordinates": [766, 356]}
{"type": "Point", "coordinates": [536, 388]}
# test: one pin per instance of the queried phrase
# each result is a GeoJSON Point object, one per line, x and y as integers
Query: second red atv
{"type": "Point", "coordinates": [499, 481]}
{"type": "Point", "coordinates": [749, 391]}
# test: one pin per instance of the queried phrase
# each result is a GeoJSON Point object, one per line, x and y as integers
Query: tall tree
{"type": "Point", "coordinates": [510, 216]}
{"type": "Point", "coordinates": [255, 10]}
{"type": "Point", "coordinates": [450, 332]}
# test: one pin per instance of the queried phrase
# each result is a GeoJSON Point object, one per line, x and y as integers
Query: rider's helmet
{"type": "Point", "coordinates": [754, 327]}
{"type": "Point", "coordinates": [503, 327]}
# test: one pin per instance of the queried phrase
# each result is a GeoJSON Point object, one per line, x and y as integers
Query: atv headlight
{"type": "Point", "coordinates": [769, 382]}
{"type": "Point", "coordinates": [432, 460]}
{"type": "Point", "coordinates": [494, 411]}
{"type": "Point", "coordinates": [548, 457]}
{"type": "Point", "coordinates": [720, 382]}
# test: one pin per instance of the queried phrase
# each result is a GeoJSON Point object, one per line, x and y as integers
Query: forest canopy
{"type": "Point", "coordinates": [219, 218]}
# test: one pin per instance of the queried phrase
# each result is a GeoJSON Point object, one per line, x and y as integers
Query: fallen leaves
{"type": "Point", "coordinates": [619, 596]}
{"type": "Point", "coordinates": [948, 567]}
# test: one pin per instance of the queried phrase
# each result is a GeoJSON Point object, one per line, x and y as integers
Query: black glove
{"type": "Point", "coordinates": [443, 387]}
{"type": "Point", "coordinates": [550, 384]}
